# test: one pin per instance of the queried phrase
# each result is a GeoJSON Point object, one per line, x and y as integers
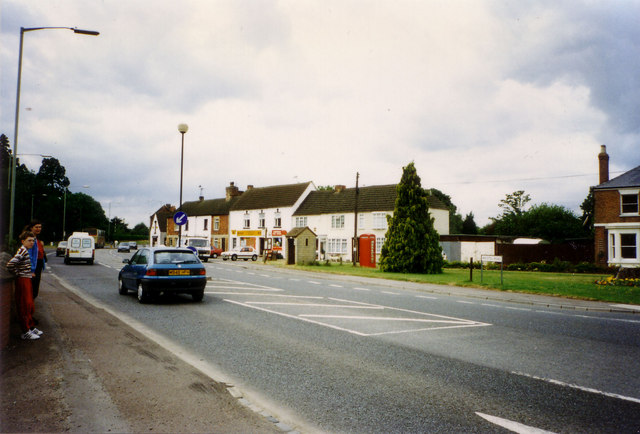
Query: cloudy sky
{"type": "Point", "coordinates": [486, 97]}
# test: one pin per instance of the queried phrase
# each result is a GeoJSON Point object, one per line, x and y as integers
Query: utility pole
{"type": "Point", "coordinates": [355, 222]}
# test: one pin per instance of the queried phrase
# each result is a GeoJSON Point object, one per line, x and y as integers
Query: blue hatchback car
{"type": "Point", "coordinates": [161, 270]}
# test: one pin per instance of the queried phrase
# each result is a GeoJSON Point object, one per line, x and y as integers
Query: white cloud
{"type": "Point", "coordinates": [284, 91]}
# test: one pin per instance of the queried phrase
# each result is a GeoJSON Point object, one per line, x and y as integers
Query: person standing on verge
{"type": "Point", "coordinates": [20, 265]}
{"type": "Point", "coordinates": [37, 255]}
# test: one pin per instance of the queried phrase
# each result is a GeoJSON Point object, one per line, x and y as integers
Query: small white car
{"type": "Point", "coordinates": [245, 253]}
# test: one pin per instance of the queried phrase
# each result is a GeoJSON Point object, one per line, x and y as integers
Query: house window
{"type": "Point", "coordinates": [629, 203]}
{"type": "Point", "coordinates": [301, 222]}
{"type": "Point", "coordinates": [628, 246]}
{"type": "Point", "coordinates": [216, 223]}
{"type": "Point", "coordinates": [612, 246]}
{"type": "Point", "coordinates": [379, 243]}
{"type": "Point", "coordinates": [261, 222]}
{"type": "Point", "coordinates": [379, 220]}
{"type": "Point", "coordinates": [337, 245]}
{"type": "Point", "coordinates": [361, 221]}
{"type": "Point", "coordinates": [337, 221]}
{"type": "Point", "coordinates": [206, 224]}
{"type": "Point", "coordinates": [277, 222]}
{"type": "Point", "coordinates": [247, 221]}
{"type": "Point", "coordinates": [186, 226]}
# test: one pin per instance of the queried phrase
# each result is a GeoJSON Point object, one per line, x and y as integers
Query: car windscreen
{"type": "Point", "coordinates": [174, 257]}
{"type": "Point", "coordinates": [198, 243]}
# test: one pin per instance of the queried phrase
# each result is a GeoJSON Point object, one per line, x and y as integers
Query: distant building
{"type": "Point", "coordinates": [617, 216]}
{"type": "Point", "coordinates": [158, 224]}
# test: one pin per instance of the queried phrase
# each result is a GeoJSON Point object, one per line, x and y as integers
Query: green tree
{"type": "Point", "coordinates": [469, 225]}
{"type": "Point", "coordinates": [514, 203]}
{"type": "Point", "coordinates": [588, 208]}
{"type": "Point", "coordinates": [455, 219]}
{"type": "Point", "coordinates": [412, 243]}
{"type": "Point", "coordinates": [553, 223]}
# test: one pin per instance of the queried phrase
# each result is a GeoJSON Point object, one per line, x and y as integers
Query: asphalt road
{"type": "Point", "coordinates": [334, 354]}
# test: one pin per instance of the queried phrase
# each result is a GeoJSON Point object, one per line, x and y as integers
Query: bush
{"type": "Point", "coordinates": [557, 266]}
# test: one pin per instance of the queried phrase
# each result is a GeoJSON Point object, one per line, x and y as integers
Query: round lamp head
{"type": "Point", "coordinates": [183, 128]}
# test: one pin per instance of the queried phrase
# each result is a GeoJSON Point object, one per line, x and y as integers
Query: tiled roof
{"type": "Point", "coordinates": [209, 207]}
{"type": "Point", "coordinates": [372, 198]}
{"type": "Point", "coordinates": [627, 179]}
{"type": "Point", "coordinates": [163, 213]}
{"type": "Point", "coordinates": [293, 233]}
{"type": "Point", "coordinates": [277, 196]}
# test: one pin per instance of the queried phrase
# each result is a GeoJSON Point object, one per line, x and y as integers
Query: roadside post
{"type": "Point", "coordinates": [489, 258]}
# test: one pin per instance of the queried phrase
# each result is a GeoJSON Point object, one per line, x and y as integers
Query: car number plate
{"type": "Point", "coordinates": [179, 272]}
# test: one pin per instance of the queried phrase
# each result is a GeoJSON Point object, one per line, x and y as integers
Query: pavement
{"type": "Point", "coordinates": [90, 372]}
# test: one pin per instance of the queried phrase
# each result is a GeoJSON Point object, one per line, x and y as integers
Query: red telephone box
{"type": "Point", "coordinates": [367, 246]}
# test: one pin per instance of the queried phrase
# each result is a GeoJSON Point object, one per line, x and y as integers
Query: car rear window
{"type": "Point", "coordinates": [198, 243]}
{"type": "Point", "coordinates": [75, 242]}
{"type": "Point", "coordinates": [166, 257]}
{"type": "Point", "coordinates": [86, 243]}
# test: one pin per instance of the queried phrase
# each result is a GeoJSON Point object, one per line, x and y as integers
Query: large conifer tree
{"type": "Point", "coordinates": [411, 244]}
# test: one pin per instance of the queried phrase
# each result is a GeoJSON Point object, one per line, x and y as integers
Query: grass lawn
{"type": "Point", "coordinates": [581, 286]}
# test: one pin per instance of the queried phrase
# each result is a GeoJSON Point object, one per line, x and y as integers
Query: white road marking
{"type": "Point", "coordinates": [361, 289]}
{"type": "Point", "coordinates": [464, 302]}
{"type": "Point", "coordinates": [626, 306]}
{"type": "Point", "coordinates": [336, 286]}
{"type": "Point", "coordinates": [389, 292]}
{"type": "Point", "coordinates": [427, 297]}
{"type": "Point", "coordinates": [575, 386]}
{"type": "Point", "coordinates": [511, 425]}
{"type": "Point", "coordinates": [313, 282]}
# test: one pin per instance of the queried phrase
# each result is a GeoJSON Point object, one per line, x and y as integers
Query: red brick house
{"type": "Point", "coordinates": [617, 216]}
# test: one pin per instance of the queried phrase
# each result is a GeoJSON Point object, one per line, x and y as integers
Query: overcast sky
{"type": "Point", "coordinates": [486, 97]}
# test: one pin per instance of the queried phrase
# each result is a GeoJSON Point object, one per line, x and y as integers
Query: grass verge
{"type": "Point", "coordinates": [579, 286]}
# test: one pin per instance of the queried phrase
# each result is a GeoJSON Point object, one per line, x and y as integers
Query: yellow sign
{"type": "Point", "coordinates": [249, 233]}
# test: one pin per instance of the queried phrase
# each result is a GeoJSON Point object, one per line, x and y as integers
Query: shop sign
{"type": "Point", "coordinates": [256, 233]}
{"type": "Point", "coordinates": [278, 232]}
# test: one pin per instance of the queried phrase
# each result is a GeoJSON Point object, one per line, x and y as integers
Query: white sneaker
{"type": "Point", "coordinates": [29, 336]}
{"type": "Point", "coordinates": [37, 332]}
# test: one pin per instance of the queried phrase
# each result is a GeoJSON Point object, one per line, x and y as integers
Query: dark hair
{"type": "Point", "coordinates": [32, 224]}
{"type": "Point", "coordinates": [26, 234]}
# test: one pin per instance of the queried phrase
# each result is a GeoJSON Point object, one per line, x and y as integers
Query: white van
{"type": "Point", "coordinates": [80, 247]}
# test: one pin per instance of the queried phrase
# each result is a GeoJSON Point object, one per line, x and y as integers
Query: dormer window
{"type": "Point", "coordinates": [629, 202]}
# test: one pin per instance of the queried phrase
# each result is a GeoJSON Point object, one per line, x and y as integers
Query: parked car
{"type": "Point", "coordinates": [133, 245]}
{"type": "Point", "coordinates": [215, 252]}
{"type": "Point", "coordinates": [161, 270]}
{"type": "Point", "coordinates": [61, 249]}
{"type": "Point", "coordinates": [80, 247]}
{"type": "Point", "coordinates": [124, 247]}
{"type": "Point", "coordinates": [245, 253]}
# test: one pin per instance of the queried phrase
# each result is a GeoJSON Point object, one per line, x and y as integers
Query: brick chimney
{"type": "Point", "coordinates": [339, 188]}
{"type": "Point", "coordinates": [232, 191]}
{"type": "Point", "coordinates": [603, 160]}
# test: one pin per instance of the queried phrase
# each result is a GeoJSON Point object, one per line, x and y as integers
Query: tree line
{"type": "Point", "coordinates": [44, 195]}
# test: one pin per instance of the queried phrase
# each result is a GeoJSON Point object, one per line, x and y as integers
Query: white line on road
{"type": "Point", "coordinates": [427, 297]}
{"type": "Point", "coordinates": [389, 292]}
{"type": "Point", "coordinates": [361, 289]}
{"type": "Point", "coordinates": [511, 425]}
{"type": "Point", "coordinates": [464, 302]}
{"type": "Point", "coordinates": [313, 282]}
{"type": "Point", "coordinates": [575, 386]}
{"type": "Point", "coordinates": [336, 286]}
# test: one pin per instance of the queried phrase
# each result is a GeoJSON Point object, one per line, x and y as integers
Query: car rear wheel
{"type": "Point", "coordinates": [198, 295]}
{"type": "Point", "coordinates": [234, 257]}
{"type": "Point", "coordinates": [214, 255]}
{"type": "Point", "coordinates": [122, 290]}
{"type": "Point", "coordinates": [143, 294]}
{"type": "Point", "coordinates": [254, 258]}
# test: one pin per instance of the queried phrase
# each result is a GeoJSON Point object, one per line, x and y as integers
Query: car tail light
{"type": "Point", "coordinates": [202, 272]}
{"type": "Point", "coordinates": [151, 272]}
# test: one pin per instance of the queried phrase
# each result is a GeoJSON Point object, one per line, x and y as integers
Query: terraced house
{"type": "Point", "coordinates": [617, 216]}
{"type": "Point", "coordinates": [331, 216]}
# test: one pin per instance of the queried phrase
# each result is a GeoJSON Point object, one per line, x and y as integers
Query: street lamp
{"type": "Point", "coordinates": [183, 128]}
{"type": "Point", "coordinates": [15, 131]}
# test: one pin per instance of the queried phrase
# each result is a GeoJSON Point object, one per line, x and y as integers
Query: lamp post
{"type": "Point", "coordinates": [183, 128]}
{"type": "Point", "coordinates": [23, 30]}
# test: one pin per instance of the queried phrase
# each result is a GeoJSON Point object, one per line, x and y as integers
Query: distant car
{"type": "Point", "coordinates": [245, 253]}
{"type": "Point", "coordinates": [215, 252]}
{"type": "Point", "coordinates": [61, 249]}
{"type": "Point", "coordinates": [81, 247]}
{"type": "Point", "coordinates": [133, 245]}
{"type": "Point", "coordinates": [161, 270]}
{"type": "Point", "coordinates": [124, 247]}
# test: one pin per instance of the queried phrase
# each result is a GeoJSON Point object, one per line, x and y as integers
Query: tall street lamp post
{"type": "Point", "coordinates": [183, 128]}
{"type": "Point", "coordinates": [23, 30]}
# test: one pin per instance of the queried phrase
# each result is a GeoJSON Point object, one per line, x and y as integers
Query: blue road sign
{"type": "Point", "coordinates": [180, 218]}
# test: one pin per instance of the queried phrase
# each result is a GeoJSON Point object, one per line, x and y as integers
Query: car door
{"type": "Point", "coordinates": [140, 264]}
{"type": "Point", "coordinates": [129, 277]}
